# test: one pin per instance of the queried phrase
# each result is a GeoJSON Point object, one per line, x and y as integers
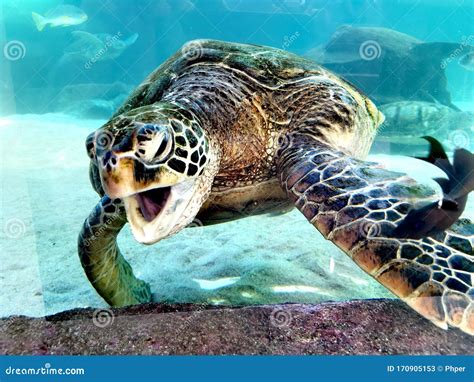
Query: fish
{"type": "Point", "coordinates": [467, 61]}
{"type": "Point", "coordinates": [98, 47]}
{"type": "Point", "coordinates": [438, 216]}
{"type": "Point", "coordinates": [61, 16]}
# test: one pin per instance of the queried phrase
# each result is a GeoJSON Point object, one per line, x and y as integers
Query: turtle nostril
{"type": "Point", "coordinates": [106, 158]}
{"type": "Point", "coordinates": [109, 160]}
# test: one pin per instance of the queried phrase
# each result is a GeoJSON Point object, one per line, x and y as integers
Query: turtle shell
{"type": "Point", "coordinates": [269, 66]}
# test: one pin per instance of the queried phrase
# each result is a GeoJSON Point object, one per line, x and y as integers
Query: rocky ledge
{"type": "Point", "coordinates": [354, 327]}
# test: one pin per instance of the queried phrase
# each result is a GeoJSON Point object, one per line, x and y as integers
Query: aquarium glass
{"type": "Point", "coordinates": [67, 66]}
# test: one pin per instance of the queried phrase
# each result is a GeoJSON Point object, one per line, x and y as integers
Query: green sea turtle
{"type": "Point", "coordinates": [389, 65]}
{"type": "Point", "coordinates": [224, 130]}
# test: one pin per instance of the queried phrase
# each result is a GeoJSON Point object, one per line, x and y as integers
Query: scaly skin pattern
{"type": "Point", "coordinates": [276, 129]}
{"type": "Point", "coordinates": [105, 267]}
{"type": "Point", "coordinates": [245, 97]}
{"type": "Point", "coordinates": [357, 205]}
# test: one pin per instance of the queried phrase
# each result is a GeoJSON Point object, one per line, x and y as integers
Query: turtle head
{"type": "Point", "coordinates": [160, 162]}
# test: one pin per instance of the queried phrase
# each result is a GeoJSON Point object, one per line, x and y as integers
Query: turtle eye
{"type": "Point", "coordinates": [154, 143]}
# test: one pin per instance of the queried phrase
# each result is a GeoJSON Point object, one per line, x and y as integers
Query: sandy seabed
{"type": "Point", "coordinates": [46, 195]}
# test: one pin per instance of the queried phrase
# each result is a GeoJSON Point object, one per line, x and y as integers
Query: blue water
{"type": "Point", "coordinates": [164, 25]}
{"type": "Point", "coordinates": [83, 80]}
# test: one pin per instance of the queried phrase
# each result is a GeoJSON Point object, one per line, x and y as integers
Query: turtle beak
{"type": "Point", "coordinates": [158, 213]}
{"type": "Point", "coordinates": [155, 199]}
{"type": "Point", "coordinates": [122, 175]}
{"type": "Point", "coordinates": [115, 173]}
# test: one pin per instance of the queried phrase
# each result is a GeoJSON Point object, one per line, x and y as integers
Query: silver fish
{"type": "Point", "coordinates": [61, 16]}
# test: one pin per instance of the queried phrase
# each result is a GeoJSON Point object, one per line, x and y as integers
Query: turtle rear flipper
{"type": "Point", "coordinates": [358, 205]}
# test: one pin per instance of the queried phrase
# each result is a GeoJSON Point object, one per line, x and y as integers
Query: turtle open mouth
{"type": "Point", "coordinates": [159, 212]}
{"type": "Point", "coordinates": [152, 202]}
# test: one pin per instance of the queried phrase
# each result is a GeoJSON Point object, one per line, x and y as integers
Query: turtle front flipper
{"type": "Point", "coordinates": [105, 267]}
{"type": "Point", "coordinates": [358, 205]}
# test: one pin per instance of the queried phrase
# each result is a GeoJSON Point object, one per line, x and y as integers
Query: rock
{"type": "Point", "coordinates": [94, 109]}
{"type": "Point", "coordinates": [407, 121]}
{"type": "Point", "coordinates": [92, 100]}
{"type": "Point", "coordinates": [388, 65]}
{"type": "Point", "coordinates": [355, 327]}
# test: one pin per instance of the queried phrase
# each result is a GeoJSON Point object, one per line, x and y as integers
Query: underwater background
{"type": "Point", "coordinates": [64, 81]}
